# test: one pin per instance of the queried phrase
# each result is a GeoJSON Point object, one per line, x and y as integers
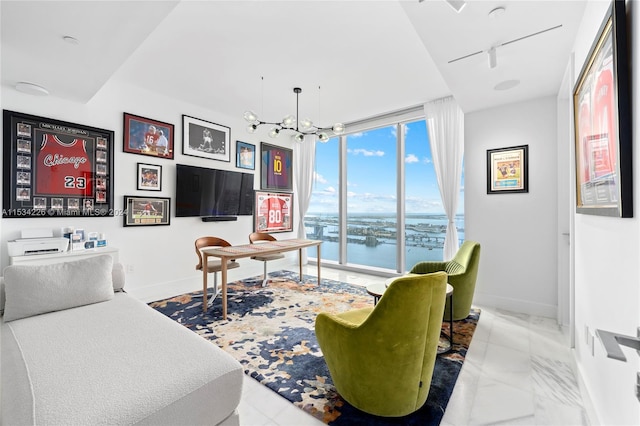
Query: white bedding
{"type": "Point", "coordinates": [114, 362]}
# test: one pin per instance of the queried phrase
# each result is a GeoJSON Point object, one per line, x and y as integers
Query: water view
{"type": "Point", "coordinates": [372, 238]}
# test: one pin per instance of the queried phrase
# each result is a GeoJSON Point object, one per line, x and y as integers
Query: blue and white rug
{"type": "Point", "coordinates": [270, 331]}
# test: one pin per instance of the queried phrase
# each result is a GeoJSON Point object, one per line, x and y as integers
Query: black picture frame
{"type": "Point", "coordinates": [204, 139]}
{"type": "Point", "coordinates": [146, 136]}
{"type": "Point", "coordinates": [602, 122]}
{"type": "Point", "coordinates": [245, 155]}
{"type": "Point", "coordinates": [149, 177]}
{"type": "Point", "coordinates": [55, 168]}
{"type": "Point", "coordinates": [276, 168]}
{"type": "Point", "coordinates": [147, 211]}
{"type": "Point", "coordinates": [508, 170]}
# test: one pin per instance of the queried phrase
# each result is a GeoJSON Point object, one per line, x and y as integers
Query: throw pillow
{"type": "Point", "coordinates": [34, 290]}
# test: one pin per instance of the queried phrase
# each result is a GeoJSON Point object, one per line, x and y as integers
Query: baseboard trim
{"type": "Point", "coordinates": [516, 305]}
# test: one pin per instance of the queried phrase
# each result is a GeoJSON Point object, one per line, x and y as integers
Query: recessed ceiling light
{"type": "Point", "coordinates": [506, 85]}
{"type": "Point", "coordinates": [31, 89]}
{"type": "Point", "coordinates": [497, 12]}
{"type": "Point", "coordinates": [71, 40]}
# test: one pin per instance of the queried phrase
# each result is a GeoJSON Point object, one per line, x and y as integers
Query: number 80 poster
{"type": "Point", "coordinates": [273, 212]}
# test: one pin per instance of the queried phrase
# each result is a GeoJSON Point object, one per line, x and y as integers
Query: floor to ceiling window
{"type": "Point", "coordinates": [355, 201]}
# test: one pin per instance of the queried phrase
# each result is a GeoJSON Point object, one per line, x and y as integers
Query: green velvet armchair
{"type": "Point", "coordinates": [462, 271]}
{"type": "Point", "coordinates": [381, 359]}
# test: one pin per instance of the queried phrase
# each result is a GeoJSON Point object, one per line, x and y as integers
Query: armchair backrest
{"type": "Point", "coordinates": [466, 260]}
{"type": "Point", "coordinates": [204, 242]}
{"type": "Point", "coordinates": [405, 325]}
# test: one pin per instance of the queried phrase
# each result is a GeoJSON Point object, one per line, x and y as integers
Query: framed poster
{"type": "Point", "coordinates": [205, 139]}
{"type": "Point", "coordinates": [245, 155]}
{"type": "Point", "coordinates": [602, 123]}
{"type": "Point", "coordinates": [508, 170]}
{"type": "Point", "coordinates": [273, 212]}
{"type": "Point", "coordinates": [148, 137]}
{"type": "Point", "coordinates": [276, 168]}
{"type": "Point", "coordinates": [55, 168]}
{"type": "Point", "coordinates": [149, 177]}
{"type": "Point", "coordinates": [146, 211]}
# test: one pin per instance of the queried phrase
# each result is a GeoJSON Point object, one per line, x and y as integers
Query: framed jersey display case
{"type": "Point", "coordinates": [273, 212]}
{"type": "Point", "coordinates": [276, 168]}
{"type": "Point", "coordinates": [55, 169]}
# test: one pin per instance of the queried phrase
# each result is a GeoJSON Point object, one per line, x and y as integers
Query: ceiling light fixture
{"type": "Point", "coordinates": [31, 89]}
{"type": "Point", "coordinates": [71, 40]}
{"type": "Point", "coordinates": [301, 129]}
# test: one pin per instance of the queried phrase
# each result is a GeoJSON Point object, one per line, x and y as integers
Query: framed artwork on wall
{"type": "Point", "coordinates": [276, 168]}
{"type": "Point", "coordinates": [602, 123]}
{"type": "Point", "coordinates": [205, 139]}
{"type": "Point", "coordinates": [245, 155]}
{"type": "Point", "coordinates": [146, 211]}
{"type": "Point", "coordinates": [54, 168]}
{"type": "Point", "coordinates": [273, 212]}
{"type": "Point", "coordinates": [149, 177]}
{"type": "Point", "coordinates": [508, 170]}
{"type": "Point", "coordinates": [145, 136]}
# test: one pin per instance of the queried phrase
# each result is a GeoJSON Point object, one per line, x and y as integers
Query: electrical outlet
{"type": "Point", "coordinates": [129, 268]}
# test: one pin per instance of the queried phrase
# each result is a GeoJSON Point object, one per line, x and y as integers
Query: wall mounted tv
{"type": "Point", "coordinates": [204, 192]}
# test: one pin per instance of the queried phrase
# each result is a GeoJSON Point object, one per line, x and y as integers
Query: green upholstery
{"type": "Point", "coordinates": [462, 271]}
{"type": "Point", "coordinates": [381, 359]}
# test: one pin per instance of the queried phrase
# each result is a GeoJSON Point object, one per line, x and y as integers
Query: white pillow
{"type": "Point", "coordinates": [34, 290]}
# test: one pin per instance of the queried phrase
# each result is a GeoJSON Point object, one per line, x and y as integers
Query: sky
{"type": "Point", "coordinates": [371, 173]}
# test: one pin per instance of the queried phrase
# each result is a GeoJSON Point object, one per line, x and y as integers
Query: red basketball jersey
{"type": "Point", "coordinates": [63, 168]}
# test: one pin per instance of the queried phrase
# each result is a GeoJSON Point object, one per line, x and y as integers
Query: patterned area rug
{"type": "Point", "coordinates": [270, 331]}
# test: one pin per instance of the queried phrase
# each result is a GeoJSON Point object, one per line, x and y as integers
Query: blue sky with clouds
{"type": "Point", "coordinates": [371, 173]}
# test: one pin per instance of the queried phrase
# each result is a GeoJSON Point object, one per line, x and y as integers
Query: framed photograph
{"type": "Point", "coordinates": [276, 168]}
{"type": "Point", "coordinates": [602, 120]}
{"type": "Point", "coordinates": [273, 212]}
{"type": "Point", "coordinates": [205, 139]}
{"type": "Point", "coordinates": [149, 177]}
{"type": "Point", "coordinates": [49, 163]}
{"type": "Point", "coordinates": [245, 155]}
{"type": "Point", "coordinates": [508, 170]}
{"type": "Point", "coordinates": [145, 136]}
{"type": "Point", "coordinates": [146, 211]}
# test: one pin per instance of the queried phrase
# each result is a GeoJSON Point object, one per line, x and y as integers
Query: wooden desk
{"type": "Point", "coordinates": [249, 250]}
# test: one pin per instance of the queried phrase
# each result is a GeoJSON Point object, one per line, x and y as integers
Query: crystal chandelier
{"type": "Point", "coordinates": [300, 128]}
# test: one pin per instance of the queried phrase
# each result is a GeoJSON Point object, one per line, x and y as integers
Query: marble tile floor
{"type": "Point", "coordinates": [518, 371]}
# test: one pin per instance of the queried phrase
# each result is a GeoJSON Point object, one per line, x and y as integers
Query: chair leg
{"type": "Point", "coordinates": [265, 277]}
{"type": "Point", "coordinates": [215, 290]}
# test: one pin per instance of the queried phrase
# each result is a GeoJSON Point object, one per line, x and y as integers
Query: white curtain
{"type": "Point", "coordinates": [304, 155]}
{"type": "Point", "coordinates": [445, 121]}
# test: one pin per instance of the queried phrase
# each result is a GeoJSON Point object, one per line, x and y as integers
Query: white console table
{"type": "Point", "coordinates": [67, 256]}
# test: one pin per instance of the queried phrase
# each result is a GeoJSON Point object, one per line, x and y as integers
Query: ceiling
{"type": "Point", "coordinates": [353, 59]}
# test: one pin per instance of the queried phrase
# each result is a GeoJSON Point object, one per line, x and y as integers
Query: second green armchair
{"type": "Point", "coordinates": [462, 272]}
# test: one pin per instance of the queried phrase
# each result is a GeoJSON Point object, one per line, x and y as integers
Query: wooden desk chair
{"type": "Point", "coordinates": [254, 238]}
{"type": "Point", "coordinates": [213, 265]}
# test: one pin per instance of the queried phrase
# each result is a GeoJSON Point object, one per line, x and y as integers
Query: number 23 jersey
{"type": "Point", "coordinates": [63, 168]}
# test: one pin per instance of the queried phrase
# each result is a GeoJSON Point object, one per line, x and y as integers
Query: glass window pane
{"type": "Point", "coordinates": [371, 198]}
{"type": "Point", "coordinates": [321, 220]}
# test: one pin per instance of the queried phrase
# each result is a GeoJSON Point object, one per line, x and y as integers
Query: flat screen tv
{"type": "Point", "coordinates": [203, 192]}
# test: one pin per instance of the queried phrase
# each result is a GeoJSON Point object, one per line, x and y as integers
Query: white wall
{"type": "Point", "coordinates": [518, 232]}
{"type": "Point", "coordinates": [607, 276]}
{"type": "Point", "coordinates": [162, 257]}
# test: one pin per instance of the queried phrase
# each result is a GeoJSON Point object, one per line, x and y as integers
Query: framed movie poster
{"type": "Point", "coordinates": [245, 155]}
{"type": "Point", "coordinates": [276, 168]}
{"type": "Point", "coordinates": [146, 211]}
{"type": "Point", "coordinates": [273, 212]}
{"type": "Point", "coordinates": [55, 168]}
{"type": "Point", "coordinates": [145, 136]}
{"type": "Point", "coordinates": [602, 119]}
{"type": "Point", "coordinates": [508, 170]}
{"type": "Point", "coordinates": [205, 139]}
